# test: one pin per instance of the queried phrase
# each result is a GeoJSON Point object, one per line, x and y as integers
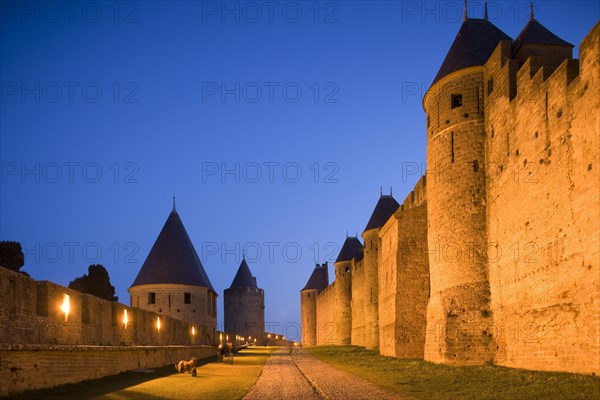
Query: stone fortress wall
{"type": "Point", "coordinates": [494, 257]}
{"type": "Point", "coordinates": [39, 348]}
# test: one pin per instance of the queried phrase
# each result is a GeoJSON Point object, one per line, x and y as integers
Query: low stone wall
{"type": "Point", "coordinates": [31, 367]}
{"type": "Point", "coordinates": [30, 313]}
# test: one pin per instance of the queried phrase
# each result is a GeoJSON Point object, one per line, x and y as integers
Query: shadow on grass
{"type": "Point", "coordinates": [117, 383]}
{"type": "Point", "coordinates": [103, 386]}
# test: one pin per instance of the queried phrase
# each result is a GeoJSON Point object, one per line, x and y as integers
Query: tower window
{"type": "Point", "coordinates": [347, 269]}
{"type": "Point", "coordinates": [187, 298]}
{"type": "Point", "coordinates": [151, 298]}
{"type": "Point", "coordinates": [456, 100]}
{"type": "Point", "coordinates": [490, 86]}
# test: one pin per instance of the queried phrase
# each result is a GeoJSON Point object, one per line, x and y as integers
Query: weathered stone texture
{"type": "Point", "coordinates": [543, 212]}
{"type": "Point", "coordinates": [245, 311]}
{"type": "Point", "coordinates": [457, 224]}
{"type": "Point", "coordinates": [343, 301]}
{"type": "Point", "coordinates": [308, 308]}
{"type": "Point", "coordinates": [370, 296]}
{"type": "Point", "coordinates": [360, 296]}
{"type": "Point", "coordinates": [508, 226]}
{"type": "Point", "coordinates": [404, 283]}
{"type": "Point", "coordinates": [169, 300]}
{"type": "Point", "coordinates": [31, 367]}
{"type": "Point", "coordinates": [30, 314]}
{"type": "Point", "coordinates": [327, 329]}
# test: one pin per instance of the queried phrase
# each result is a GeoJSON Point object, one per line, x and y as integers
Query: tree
{"type": "Point", "coordinates": [96, 283]}
{"type": "Point", "coordinates": [11, 255]}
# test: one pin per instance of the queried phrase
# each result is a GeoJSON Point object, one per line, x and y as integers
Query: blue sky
{"type": "Point", "coordinates": [273, 123]}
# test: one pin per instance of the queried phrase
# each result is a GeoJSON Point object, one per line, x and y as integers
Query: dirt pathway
{"type": "Point", "coordinates": [302, 376]}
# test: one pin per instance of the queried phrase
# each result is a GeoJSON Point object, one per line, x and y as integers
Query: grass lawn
{"type": "Point", "coordinates": [428, 381]}
{"type": "Point", "coordinates": [215, 381]}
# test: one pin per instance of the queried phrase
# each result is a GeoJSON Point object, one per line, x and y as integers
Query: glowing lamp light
{"type": "Point", "coordinates": [220, 337]}
{"type": "Point", "coordinates": [227, 337]}
{"type": "Point", "coordinates": [295, 343]}
{"type": "Point", "coordinates": [125, 318]}
{"type": "Point", "coordinates": [269, 335]}
{"type": "Point", "coordinates": [276, 337]}
{"type": "Point", "coordinates": [193, 331]}
{"type": "Point", "coordinates": [158, 323]}
{"type": "Point", "coordinates": [66, 306]}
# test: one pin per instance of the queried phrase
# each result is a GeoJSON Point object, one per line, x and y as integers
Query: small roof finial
{"type": "Point", "coordinates": [174, 209]}
{"type": "Point", "coordinates": [485, 12]}
{"type": "Point", "coordinates": [244, 254]}
{"type": "Point", "coordinates": [466, 13]}
{"type": "Point", "coordinates": [531, 10]}
{"type": "Point", "coordinates": [346, 233]}
{"type": "Point", "coordinates": [380, 191]}
{"type": "Point", "coordinates": [390, 190]}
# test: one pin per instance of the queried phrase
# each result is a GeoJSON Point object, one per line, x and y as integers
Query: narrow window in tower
{"type": "Point", "coordinates": [452, 146]}
{"type": "Point", "coordinates": [151, 298]}
{"type": "Point", "coordinates": [187, 298]}
{"type": "Point", "coordinates": [308, 295]}
{"type": "Point", "coordinates": [490, 86]}
{"type": "Point", "coordinates": [347, 269]}
{"type": "Point", "coordinates": [169, 299]}
{"type": "Point", "coordinates": [456, 101]}
{"type": "Point", "coordinates": [475, 166]}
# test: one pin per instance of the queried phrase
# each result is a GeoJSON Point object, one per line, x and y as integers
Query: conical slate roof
{"type": "Point", "coordinates": [536, 33]}
{"type": "Point", "coordinates": [385, 208]}
{"type": "Point", "coordinates": [318, 280]}
{"type": "Point", "coordinates": [173, 258]}
{"type": "Point", "coordinates": [473, 45]}
{"type": "Point", "coordinates": [244, 277]}
{"type": "Point", "coordinates": [352, 248]}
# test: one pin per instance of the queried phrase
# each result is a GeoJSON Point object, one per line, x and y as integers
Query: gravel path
{"type": "Point", "coordinates": [281, 379]}
{"type": "Point", "coordinates": [302, 376]}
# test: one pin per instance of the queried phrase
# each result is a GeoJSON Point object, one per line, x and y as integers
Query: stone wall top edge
{"type": "Point", "coordinates": [56, 347]}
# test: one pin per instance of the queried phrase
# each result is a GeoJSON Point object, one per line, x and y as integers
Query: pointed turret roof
{"type": "Point", "coordinates": [352, 248]}
{"type": "Point", "coordinates": [244, 277]}
{"type": "Point", "coordinates": [173, 258]}
{"type": "Point", "coordinates": [385, 208]}
{"type": "Point", "coordinates": [473, 45]}
{"type": "Point", "coordinates": [536, 33]}
{"type": "Point", "coordinates": [319, 279]}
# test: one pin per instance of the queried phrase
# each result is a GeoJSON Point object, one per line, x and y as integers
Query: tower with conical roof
{"type": "Point", "coordinates": [350, 254]}
{"type": "Point", "coordinates": [173, 282]}
{"type": "Point", "coordinates": [458, 311]}
{"type": "Point", "coordinates": [245, 305]}
{"type": "Point", "coordinates": [319, 280]}
{"type": "Point", "coordinates": [386, 206]}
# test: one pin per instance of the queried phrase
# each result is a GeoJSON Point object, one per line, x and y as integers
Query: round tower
{"type": "Point", "coordinates": [459, 322]}
{"type": "Point", "coordinates": [244, 305]}
{"type": "Point", "coordinates": [351, 252]}
{"type": "Point", "coordinates": [385, 208]}
{"type": "Point", "coordinates": [173, 282]}
{"type": "Point", "coordinates": [318, 281]}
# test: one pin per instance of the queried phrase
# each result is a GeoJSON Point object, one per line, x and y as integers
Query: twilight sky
{"type": "Point", "coordinates": [273, 123]}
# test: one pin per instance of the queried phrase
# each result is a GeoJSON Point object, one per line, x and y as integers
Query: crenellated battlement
{"type": "Point", "coordinates": [493, 256]}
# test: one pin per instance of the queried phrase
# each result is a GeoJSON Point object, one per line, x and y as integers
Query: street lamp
{"type": "Point", "coordinates": [66, 306]}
